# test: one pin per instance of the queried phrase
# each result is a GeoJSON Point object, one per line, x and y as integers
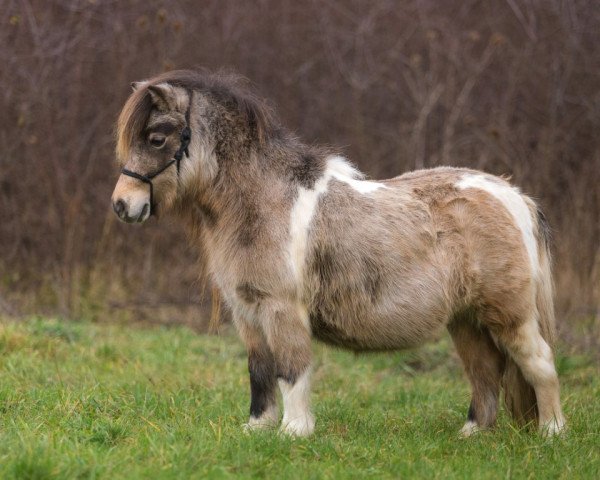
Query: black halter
{"type": "Point", "coordinates": [185, 138]}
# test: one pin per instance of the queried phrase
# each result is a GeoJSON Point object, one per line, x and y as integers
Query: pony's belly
{"type": "Point", "coordinates": [332, 334]}
{"type": "Point", "coordinates": [374, 333]}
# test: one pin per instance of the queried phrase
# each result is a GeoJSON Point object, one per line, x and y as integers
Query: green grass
{"type": "Point", "coordinates": [96, 401]}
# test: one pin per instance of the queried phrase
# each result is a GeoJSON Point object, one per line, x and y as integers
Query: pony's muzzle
{"type": "Point", "coordinates": [125, 213]}
{"type": "Point", "coordinates": [131, 201]}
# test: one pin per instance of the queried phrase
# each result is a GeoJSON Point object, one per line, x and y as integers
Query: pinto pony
{"type": "Point", "coordinates": [301, 245]}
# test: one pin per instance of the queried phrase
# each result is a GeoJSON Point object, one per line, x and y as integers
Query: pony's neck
{"type": "Point", "coordinates": [253, 184]}
{"type": "Point", "coordinates": [244, 190]}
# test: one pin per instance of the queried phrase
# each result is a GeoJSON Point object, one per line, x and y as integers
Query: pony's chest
{"type": "Point", "coordinates": [249, 275]}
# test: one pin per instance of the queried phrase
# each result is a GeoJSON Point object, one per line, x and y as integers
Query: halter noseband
{"type": "Point", "coordinates": [185, 137]}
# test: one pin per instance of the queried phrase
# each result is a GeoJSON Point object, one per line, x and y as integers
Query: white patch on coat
{"type": "Point", "coordinates": [340, 169]}
{"type": "Point", "coordinates": [304, 208]}
{"type": "Point", "coordinates": [297, 418]}
{"type": "Point", "coordinates": [512, 200]}
{"type": "Point", "coordinates": [301, 217]}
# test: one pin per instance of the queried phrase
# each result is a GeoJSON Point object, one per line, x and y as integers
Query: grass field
{"type": "Point", "coordinates": [95, 401]}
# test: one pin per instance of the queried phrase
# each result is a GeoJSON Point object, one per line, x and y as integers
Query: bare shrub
{"type": "Point", "coordinates": [511, 87]}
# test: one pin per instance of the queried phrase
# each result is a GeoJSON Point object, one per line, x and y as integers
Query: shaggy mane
{"type": "Point", "coordinates": [230, 90]}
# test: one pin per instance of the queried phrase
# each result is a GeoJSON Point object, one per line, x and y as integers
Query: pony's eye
{"type": "Point", "coordinates": [157, 141]}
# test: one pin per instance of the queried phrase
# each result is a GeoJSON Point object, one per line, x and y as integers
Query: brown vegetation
{"type": "Point", "coordinates": [511, 87]}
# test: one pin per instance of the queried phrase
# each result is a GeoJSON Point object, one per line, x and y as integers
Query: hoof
{"type": "Point", "coordinates": [299, 427]}
{"type": "Point", "coordinates": [267, 420]}
{"type": "Point", "coordinates": [553, 427]}
{"type": "Point", "coordinates": [469, 429]}
{"type": "Point", "coordinates": [253, 427]}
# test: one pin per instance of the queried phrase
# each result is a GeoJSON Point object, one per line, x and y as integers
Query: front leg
{"type": "Point", "coordinates": [263, 377]}
{"type": "Point", "coordinates": [288, 336]}
{"type": "Point", "coordinates": [297, 417]}
{"type": "Point", "coordinates": [263, 384]}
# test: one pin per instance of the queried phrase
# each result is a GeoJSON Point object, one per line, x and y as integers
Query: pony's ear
{"type": "Point", "coordinates": [164, 96]}
{"type": "Point", "coordinates": [167, 98]}
{"type": "Point", "coordinates": [137, 85]}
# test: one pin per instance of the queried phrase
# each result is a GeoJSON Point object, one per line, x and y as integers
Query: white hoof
{"type": "Point", "coordinates": [267, 420]}
{"type": "Point", "coordinates": [255, 426]}
{"type": "Point", "coordinates": [299, 427]}
{"type": "Point", "coordinates": [553, 427]}
{"type": "Point", "coordinates": [469, 429]}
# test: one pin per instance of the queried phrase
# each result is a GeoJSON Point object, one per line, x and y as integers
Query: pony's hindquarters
{"type": "Point", "coordinates": [511, 348]}
{"type": "Point", "coordinates": [530, 382]}
{"type": "Point", "coordinates": [510, 263]}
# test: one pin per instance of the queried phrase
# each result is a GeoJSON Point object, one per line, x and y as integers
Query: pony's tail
{"type": "Point", "coordinates": [519, 395]}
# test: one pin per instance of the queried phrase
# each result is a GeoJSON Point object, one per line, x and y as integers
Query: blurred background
{"type": "Point", "coordinates": [508, 86]}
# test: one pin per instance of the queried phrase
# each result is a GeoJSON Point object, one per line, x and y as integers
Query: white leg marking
{"type": "Point", "coordinates": [533, 354]}
{"type": "Point", "coordinates": [297, 418]}
{"type": "Point", "coordinates": [512, 200]}
{"type": "Point", "coordinates": [534, 357]}
{"type": "Point", "coordinates": [267, 420]}
{"type": "Point", "coordinates": [553, 427]}
{"type": "Point", "coordinates": [469, 429]}
{"type": "Point", "coordinates": [343, 171]}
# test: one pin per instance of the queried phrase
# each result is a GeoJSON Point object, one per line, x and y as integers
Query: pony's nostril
{"type": "Point", "coordinates": [119, 207]}
{"type": "Point", "coordinates": [145, 211]}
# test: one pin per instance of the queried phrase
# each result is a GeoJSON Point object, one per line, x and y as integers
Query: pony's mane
{"type": "Point", "coordinates": [230, 90]}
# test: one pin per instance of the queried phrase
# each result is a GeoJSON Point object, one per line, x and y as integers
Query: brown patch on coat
{"type": "Point", "coordinates": [249, 293]}
{"type": "Point", "coordinates": [307, 169]}
{"type": "Point", "coordinates": [208, 214]}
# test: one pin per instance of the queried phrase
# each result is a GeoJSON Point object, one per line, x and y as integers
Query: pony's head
{"type": "Point", "coordinates": [174, 134]}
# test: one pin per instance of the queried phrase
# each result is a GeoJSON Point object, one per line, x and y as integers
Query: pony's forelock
{"type": "Point", "coordinates": [225, 88]}
{"type": "Point", "coordinates": [132, 121]}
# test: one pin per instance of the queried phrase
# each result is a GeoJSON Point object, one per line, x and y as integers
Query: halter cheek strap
{"type": "Point", "coordinates": [184, 137]}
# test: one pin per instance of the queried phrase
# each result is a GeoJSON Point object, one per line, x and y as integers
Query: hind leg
{"type": "Point", "coordinates": [533, 355]}
{"type": "Point", "coordinates": [483, 364]}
